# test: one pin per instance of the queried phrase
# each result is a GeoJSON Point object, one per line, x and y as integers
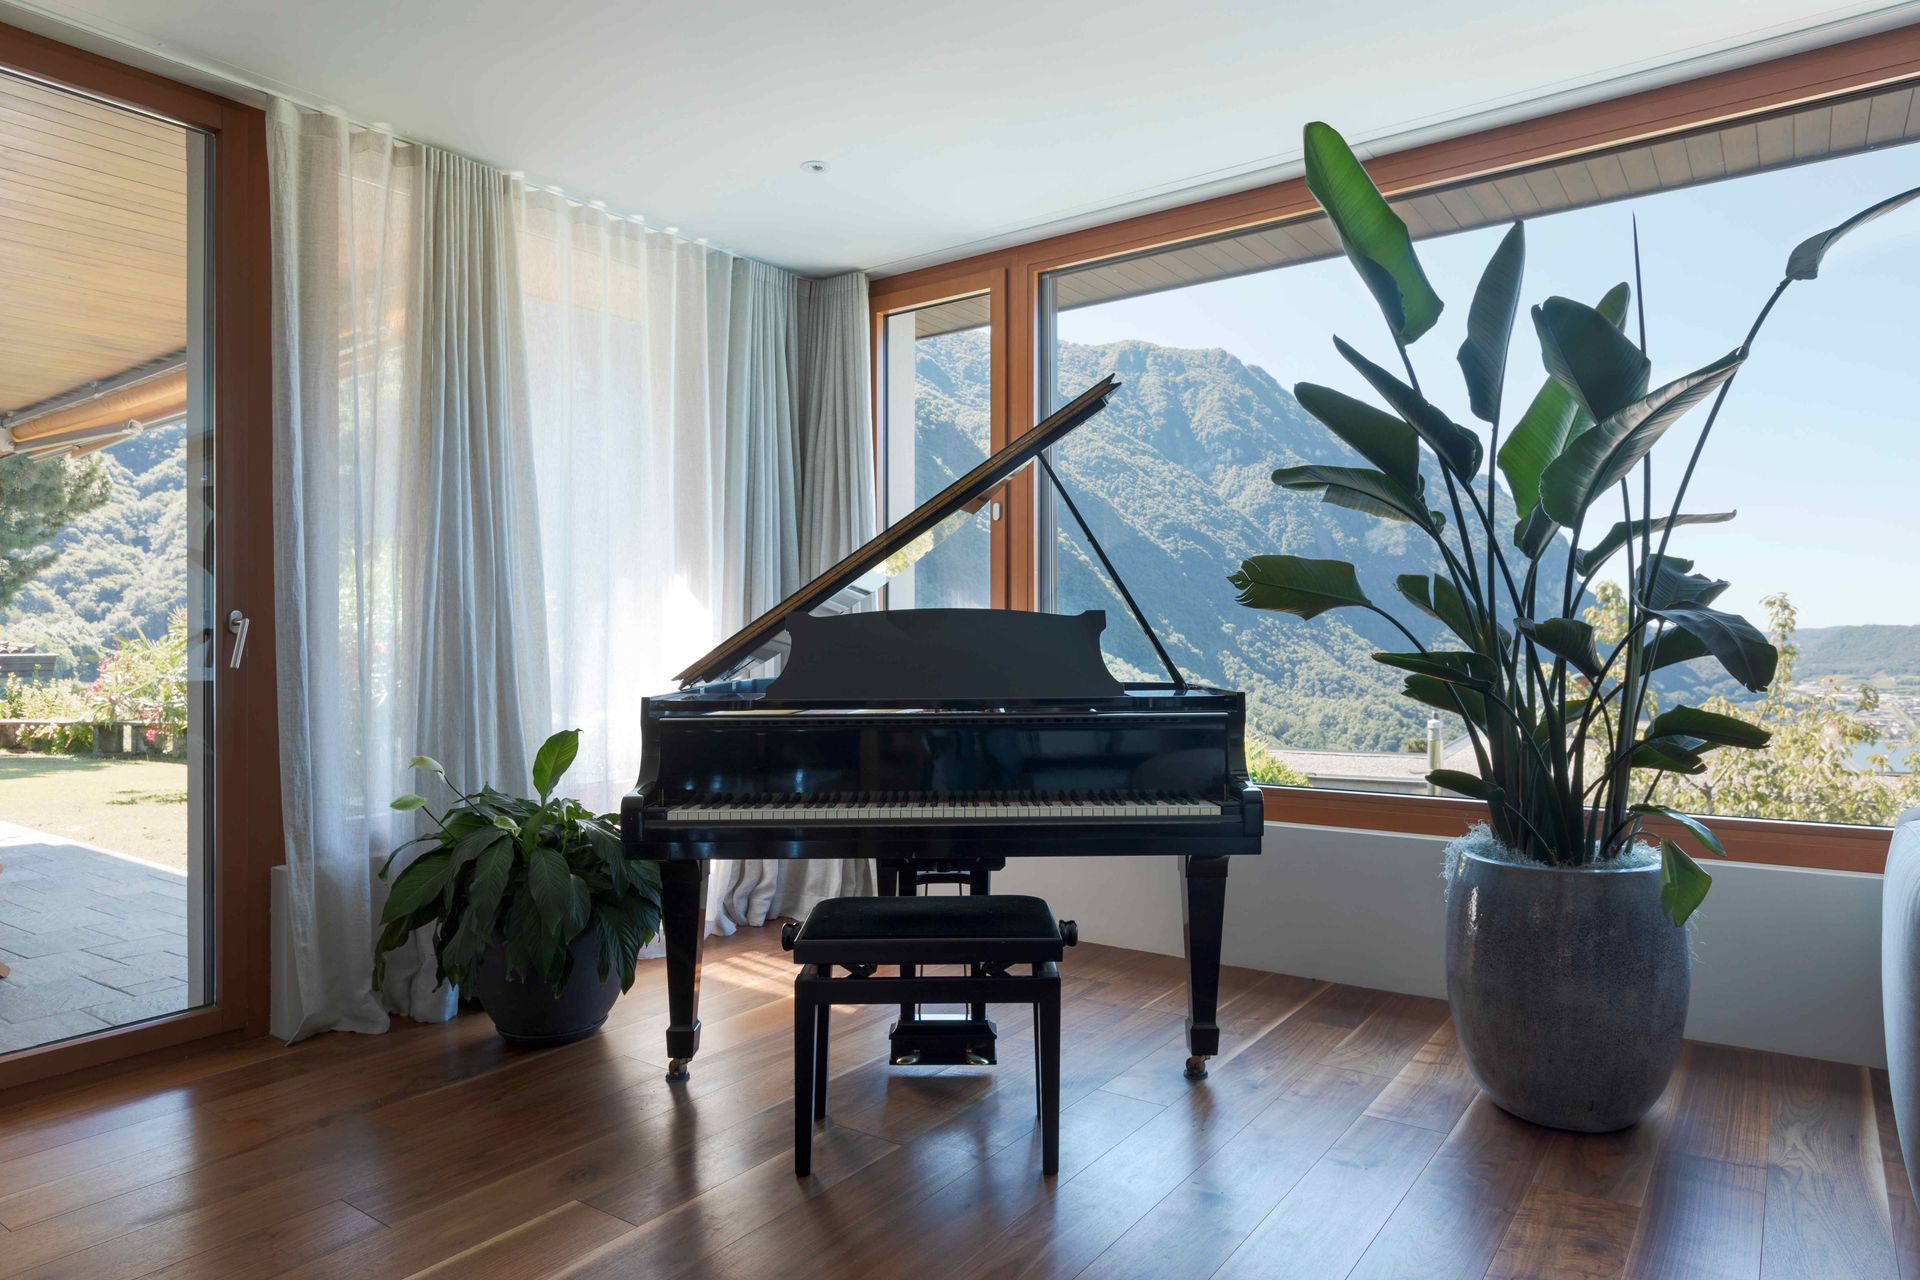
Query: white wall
{"type": "Point", "coordinates": [1785, 959]}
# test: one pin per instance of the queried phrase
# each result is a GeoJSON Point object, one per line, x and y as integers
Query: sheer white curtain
{"type": "Point", "coordinates": [530, 460]}
{"type": "Point", "coordinates": [406, 551]}
{"type": "Point", "coordinates": [671, 404]}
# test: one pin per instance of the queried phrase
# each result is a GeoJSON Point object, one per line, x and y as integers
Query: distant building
{"type": "Point", "coordinates": [20, 660]}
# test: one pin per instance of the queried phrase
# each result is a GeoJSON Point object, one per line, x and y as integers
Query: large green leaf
{"type": "Point", "coordinates": [1474, 670]}
{"type": "Point", "coordinates": [1358, 489]}
{"type": "Point", "coordinates": [550, 883]}
{"type": "Point", "coordinates": [1698, 829]}
{"type": "Point", "coordinates": [1804, 262]}
{"type": "Point", "coordinates": [408, 802]}
{"type": "Point", "coordinates": [1378, 436]}
{"type": "Point", "coordinates": [1552, 419]}
{"type": "Point", "coordinates": [1671, 755]}
{"type": "Point", "coordinates": [1296, 585]}
{"type": "Point", "coordinates": [1604, 453]}
{"type": "Point", "coordinates": [1373, 235]}
{"type": "Point", "coordinates": [1483, 356]}
{"type": "Point", "coordinates": [1665, 582]}
{"type": "Point", "coordinates": [418, 885]}
{"type": "Point", "coordinates": [1458, 449]}
{"type": "Point", "coordinates": [1443, 696]}
{"type": "Point", "coordinates": [1617, 537]}
{"type": "Point", "coordinates": [1708, 726]}
{"type": "Point", "coordinates": [1683, 883]}
{"type": "Point", "coordinates": [1736, 643]}
{"type": "Point", "coordinates": [1566, 638]}
{"type": "Point", "coordinates": [1534, 534]}
{"type": "Point", "coordinates": [1467, 784]}
{"type": "Point", "coordinates": [1586, 351]}
{"type": "Point", "coordinates": [1438, 598]}
{"type": "Point", "coordinates": [478, 921]}
{"type": "Point", "coordinates": [1673, 646]}
{"type": "Point", "coordinates": [552, 761]}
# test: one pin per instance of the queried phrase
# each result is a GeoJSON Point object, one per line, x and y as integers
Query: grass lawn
{"type": "Point", "coordinates": [135, 807]}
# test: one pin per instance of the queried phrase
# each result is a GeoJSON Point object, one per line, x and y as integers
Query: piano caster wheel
{"type": "Point", "coordinates": [1196, 1068]}
{"type": "Point", "coordinates": [677, 1070]}
{"type": "Point", "coordinates": [911, 1059]}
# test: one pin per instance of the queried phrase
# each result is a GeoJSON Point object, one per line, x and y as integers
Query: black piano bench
{"type": "Point", "coordinates": [986, 933]}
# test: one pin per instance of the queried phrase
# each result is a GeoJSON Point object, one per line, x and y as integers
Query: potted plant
{"type": "Point", "coordinates": [535, 908]}
{"type": "Point", "coordinates": [1567, 966]}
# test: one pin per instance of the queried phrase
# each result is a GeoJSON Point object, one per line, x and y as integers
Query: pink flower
{"type": "Point", "coordinates": [153, 735]}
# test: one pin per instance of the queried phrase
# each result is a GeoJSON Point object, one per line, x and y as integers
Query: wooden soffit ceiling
{"type": "Point", "coordinates": [93, 248]}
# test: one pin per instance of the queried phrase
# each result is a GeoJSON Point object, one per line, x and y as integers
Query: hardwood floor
{"type": "Point", "coordinates": [1339, 1135]}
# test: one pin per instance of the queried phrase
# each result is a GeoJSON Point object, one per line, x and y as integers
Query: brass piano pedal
{"type": "Point", "coordinates": [909, 1059]}
{"type": "Point", "coordinates": [975, 1059]}
{"type": "Point", "coordinates": [1196, 1068]}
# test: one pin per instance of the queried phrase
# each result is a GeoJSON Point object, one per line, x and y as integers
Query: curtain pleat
{"type": "Point", "coordinates": [531, 460]}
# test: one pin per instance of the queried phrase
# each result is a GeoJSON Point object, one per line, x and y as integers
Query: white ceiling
{"type": "Point", "coordinates": [948, 127]}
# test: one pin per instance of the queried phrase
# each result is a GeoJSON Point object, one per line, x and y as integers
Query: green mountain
{"type": "Point", "coordinates": [122, 567]}
{"type": "Point", "coordinates": [1174, 477]}
{"type": "Point", "coordinates": [1860, 653]}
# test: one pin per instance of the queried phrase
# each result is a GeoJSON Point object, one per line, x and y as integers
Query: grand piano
{"type": "Point", "coordinates": [943, 739]}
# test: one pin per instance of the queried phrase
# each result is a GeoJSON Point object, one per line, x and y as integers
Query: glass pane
{"type": "Point", "coordinates": [1815, 452]}
{"type": "Point", "coordinates": [106, 587]}
{"type": "Point", "coordinates": [939, 416]}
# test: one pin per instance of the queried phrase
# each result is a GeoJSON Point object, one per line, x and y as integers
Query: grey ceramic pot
{"type": "Point", "coordinates": [1568, 989]}
{"type": "Point", "coordinates": [526, 1011]}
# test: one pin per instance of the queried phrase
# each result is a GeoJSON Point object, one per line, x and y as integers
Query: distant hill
{"type": "Point", "coordinates": [1861, 653]}
{"type": "Point", "coordinates": [1175, 478]}
{"type": "Point", "coordinates": [122, 568]}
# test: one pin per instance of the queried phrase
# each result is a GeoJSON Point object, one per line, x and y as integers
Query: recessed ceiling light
{"type": "Point", "coordinates": [813, 166]}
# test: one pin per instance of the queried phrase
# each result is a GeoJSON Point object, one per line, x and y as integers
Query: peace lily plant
{"type": "Point", "coordinates": [1558, 723]}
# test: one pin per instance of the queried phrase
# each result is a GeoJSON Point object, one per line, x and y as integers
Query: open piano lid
{"type": "Point", "coordinates": [860, 574]}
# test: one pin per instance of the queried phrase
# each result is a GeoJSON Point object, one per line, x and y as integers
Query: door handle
{"type": "Point", "coordinates": [237, 624]}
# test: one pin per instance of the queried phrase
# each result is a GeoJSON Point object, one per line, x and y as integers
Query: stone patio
{"type": "Point", "coordinates": [92, 939]}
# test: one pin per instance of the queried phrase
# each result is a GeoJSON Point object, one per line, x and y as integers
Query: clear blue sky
{"type": "Point", "coordinates": [1819, 445]}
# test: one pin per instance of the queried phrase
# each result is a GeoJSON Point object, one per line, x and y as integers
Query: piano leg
{"type": "Point", "coordinates": [1204, 904]}
{"type": "Point", "coordinates": [683, 919]}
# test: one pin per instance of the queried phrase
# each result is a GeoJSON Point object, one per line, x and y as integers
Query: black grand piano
{"type": "Point", "coordinates": [943, 738]}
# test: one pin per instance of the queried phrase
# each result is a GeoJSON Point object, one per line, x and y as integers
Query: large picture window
{"type": "Point", "coordinates": [1817, 450]}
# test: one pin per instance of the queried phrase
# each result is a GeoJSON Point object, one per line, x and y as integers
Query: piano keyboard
{"type": "Point", "coordinates": [990, 807]}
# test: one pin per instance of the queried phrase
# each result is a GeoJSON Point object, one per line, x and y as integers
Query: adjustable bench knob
{"type": "Point", "coordinates": [1069, 933]}
{"type": "Point", "coordinates": [788, 932]}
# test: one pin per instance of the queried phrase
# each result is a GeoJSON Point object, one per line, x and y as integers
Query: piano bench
{"type": "Point", "coordinates": [986, 933]}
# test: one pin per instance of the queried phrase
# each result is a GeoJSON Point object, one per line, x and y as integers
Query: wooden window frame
{"type": "Point", "coordinates": [1838, 70]}
{"type": "Point", "coordinates": [246, 826]}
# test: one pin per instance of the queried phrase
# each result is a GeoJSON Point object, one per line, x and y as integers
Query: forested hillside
{"type": "Point", "coordinates": [122, 567]}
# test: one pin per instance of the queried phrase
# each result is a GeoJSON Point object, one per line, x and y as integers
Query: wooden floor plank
{"type": "Point", "coordinates": [556, 1237]}
{"type": "Point", "coordinates": [1567, 1236]}
{"type": "Point", "coordinates": [1330, 1218]}
{"type": "Point", "coordinates": [1433, 1090]}
{"type": "Point", "coordinates": [1702, 1220]}
{"type": "Point", "coordinates": [1613, 1166]}
{"type": "Point", "coordinates": [1827, 1212]}
{"type": "Point", "coordinates": [1391, 1036]}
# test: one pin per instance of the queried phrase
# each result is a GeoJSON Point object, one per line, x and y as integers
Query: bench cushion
{"type": "Point", "coordinates": [947, 929]}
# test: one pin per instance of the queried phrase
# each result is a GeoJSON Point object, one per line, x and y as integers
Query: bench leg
{"type": "Point", "coordinates": [821, 1013]}
{"type": "Point", "coordinates": [1048, 1049]}
{"type": "Point", "coordinates": [805, 1031]}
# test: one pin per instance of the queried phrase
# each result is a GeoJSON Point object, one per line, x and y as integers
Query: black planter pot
{"type": "Point", "coordinates": [526, 1011]}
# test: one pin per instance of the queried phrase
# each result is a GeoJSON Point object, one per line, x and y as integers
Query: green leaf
{"type": "Point", "coordinates": [1666, 583]}
{"type": "Point", "coordinates": [1618, 536]}
{"type": "Point", "coordinates": [550, 884]}
{"type": "Point", "coordinates": [1564, 638]}
{"type": "Point", "coordinates": [1450, 698]}
{"type": "Point", "coordinates": [1746, 654]}
{"type": "Point", "coordinates": [1552, 419]}
{"type": "Point", "coordinates": [427, 762]}
{"type": "Point", "coordinates": [1587, 352]}
{"type": "Point", "coordinates": [1483, 356]}
{"type": "Point", "coordinates": [1700, 831]}
{"type": "Point", "coordinates": [1683, 883]}
{"type": "Point", "coordinates": [1804, 262]}
{"type": "Point", "coordinates": [1708, 726]}
{"type": "Point", "coordinates": [1372, 234]}
{"type": "Point", "coordinates": [1474, 670]}
{"type": "Point", "coordinates": [1458, 449]}
{"type": "Point", "coordinates": [1467, 784]}
{"type": "Point", "coordinates": [478, 921]}
{"type": "Point", "coordinates": [418, 885]}
{"type": "Point", "coordinates": [1673, 646]}
{"type": "Point", "coordinates": [1293, 584]}
{"type": "Point", "coordinates": [1358, 490]}
{"type": "Point", "coordinates": [1534, 534]}
{"type": "Point", "coordinates": [553, 760]}
{"type": "Point", "coordinates": [1438, 598]}
{"type": "Point", "coordinates": [1378, 436]}
{"type": "Point", "coordinates": [409, 802]}
{"type": "Point", "coordinates": [579, 907]}
{"type": "Point", "coordinates": [1606, 452]}
{"type": "Point", "coordinates": [1671, 756]}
